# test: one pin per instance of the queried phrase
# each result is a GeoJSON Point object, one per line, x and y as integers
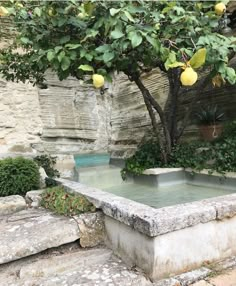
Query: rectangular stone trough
{"type": "Point", "coordinates": [169, 240]}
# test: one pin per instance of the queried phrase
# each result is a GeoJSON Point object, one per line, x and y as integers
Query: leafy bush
{"type": "Point", "coordinates": [219, 156]}
{"type": "Point", "coordinates": [229, 131]}
{"type": "Point", "coordinates": [18, 176]}
{"type": "Point", "coordinates": [147, 156]}
{"type": "Point", "coordinates": [48, 162]}
{"type": "Point", "coordinates": [224, 155]}
{"type": "Point", "coordinates": [59, 201]}
{"type": "Point", "coordinates": [195, 155]}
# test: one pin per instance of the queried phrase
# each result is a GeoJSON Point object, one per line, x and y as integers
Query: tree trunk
{"type": "Point", "coordinates": [151, 102]}
{"type": "Point", "coordinates": [156, 129]}
{"type": "Point", "coordinates": [172, 104]}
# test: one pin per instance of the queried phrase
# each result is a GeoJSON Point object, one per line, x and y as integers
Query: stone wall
{"type": "Point", "coordinates": [20, 121]}
{"type": "Point", "coordinates": [75, 117]}
{"type": "Point", "coordinates": [70, 118]}
{"type": "Point", "coordinates": [130, 122]}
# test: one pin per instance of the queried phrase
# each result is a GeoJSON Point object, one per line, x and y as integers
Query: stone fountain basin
{"type": "Point", "coordinates": [169, 240]}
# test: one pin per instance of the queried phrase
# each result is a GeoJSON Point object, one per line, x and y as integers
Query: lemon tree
{"type": "Point", "coordinates": [92, 39]}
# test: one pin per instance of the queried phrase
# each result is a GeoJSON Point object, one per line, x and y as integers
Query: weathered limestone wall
{"type": "Point", "coordinates": [20, 121]}
{"type": "Point", "coordinates": [75, 117]}
{"type": "Point", "coordinates": [130, 122]}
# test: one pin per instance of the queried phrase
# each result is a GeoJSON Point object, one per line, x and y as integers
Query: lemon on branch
{"type": "Point", "coordinates": [98, 80]}
{"type": "Point", "coordinates": [188, 77]}
{"type": "Point", "coordinates": [3, 11]}
{"type": "Point", "coordinates": [220, 9]}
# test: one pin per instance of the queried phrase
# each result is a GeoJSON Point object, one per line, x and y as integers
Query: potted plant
{"type": "Point", "coordinates": [210, 122]}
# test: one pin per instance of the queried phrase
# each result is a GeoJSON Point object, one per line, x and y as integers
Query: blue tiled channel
{"type": "Point", "coordinates": [90, 160]}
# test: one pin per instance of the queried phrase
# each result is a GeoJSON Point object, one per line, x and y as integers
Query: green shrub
{"type": "Point", "coordinates": [219, 156]}
{"type": "Point", "coordinates": [61, 202]}
{"type": "Point", "coordinates": [195, 155]}
{"type": "Point", "coordinates": [48, 162]}
{"type": "Point", "coordinates": [229, 131]}
{"type": "Point", "coordinates": [18, 176]}
{"type": "Point", "coordinates": [147, 156]}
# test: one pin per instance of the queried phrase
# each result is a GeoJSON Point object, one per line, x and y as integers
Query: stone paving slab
{"type": "Point", "coordinates": [90, 267]}
{"type": "Point", "coordinates": [11, 204]}
{"type": "Point", "coordinates": [31, 231]}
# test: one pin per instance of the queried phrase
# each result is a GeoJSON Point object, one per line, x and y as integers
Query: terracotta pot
{"type": "Point", "coordinates": [210, 132]}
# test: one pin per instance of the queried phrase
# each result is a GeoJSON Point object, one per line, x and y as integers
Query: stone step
{"type": "Point", "coordinates": [76, 266]}
{"type": "Point", "coordinates": [33, 230]}
{"type": "Point", "coordinates": [11, 204]}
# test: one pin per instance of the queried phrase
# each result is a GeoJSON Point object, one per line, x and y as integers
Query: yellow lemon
{"type": "Point", "coordinates": [98, 80]}
{"type": "Point", "coordinates": [188, 77]}
{"type": "Point", "coordinates": [51, 12]}
{"type": "Point", "coordinates": [3, 11]}
{"type": "Point", "coordinates": [81, 15]}
{"type": "Point", "coordinates": [220, 9]}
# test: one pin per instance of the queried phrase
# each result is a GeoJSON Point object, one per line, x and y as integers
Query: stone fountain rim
{"type": "Point", "coordinates": [154, 222]}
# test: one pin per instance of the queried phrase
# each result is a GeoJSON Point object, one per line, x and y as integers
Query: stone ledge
{"type": "Point", "coordinates": [231, 175]}
{"type": "Point", "coordinates": [159, 171]}
{"type": "Point", "coordinates": [151, 221]}
{"type": "Point", "coordinates": [145, 219]}
{"type": "Point", "coordinates": [11, 204]}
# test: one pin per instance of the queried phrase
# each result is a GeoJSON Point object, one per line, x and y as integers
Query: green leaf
{"type": "Point", "coordinates": [86, 68]}
{"type": "Point", "coordinates": [72, 55]}
{"type": "Point", "coordinates": [128, 15]}
{"type": "Point", "coordinates": [61, 21]}
{"type": "Point", "coordinates": [61, 56]}
{"type": "Point", "coordinates": [198, 59]}
{"type": "Point", "coordinates": [50, 55]}
{"type": "Point", "coordinates": [24, 40]}
{"type": "Point", "coordinates": [114, 11]}
{"type": "Point", "coordinates": [116, 34]}
{"type": "Point", "coordinates": [170, 60]}
{"type": "Point", "coordinates": [38, 11]}
{"type": "Point", "coordinates": [58, 48]}
{"type": "Point", "coordinates": [88, 57]}
{"type": "Point", "coordinates": [108, 57]}
{"type": "Point", "coordinates": [102, 49]}
{"type": "Point", "coordinates": [65, 63]}
{"type": "Point", "coordinates": [176, 65]}
{"type": "Point", "coordinates": [65, 39]}
{"type": "Point", "coordinates": [154, 42]}
{"type": "Point", "coordinates": [72, 46]}
{"type": "Point", "coordinates": [136, 39]}
{"type": "Point", "coordinates": [231, 76]}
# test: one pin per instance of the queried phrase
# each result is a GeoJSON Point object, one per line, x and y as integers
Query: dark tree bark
{"type": "Point", "coordinates": [172, 104]}
{"type": "Point", "coordinates": [149, 100]}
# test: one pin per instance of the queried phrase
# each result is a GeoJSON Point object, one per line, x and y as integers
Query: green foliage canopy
{"type": "Point", "coordinates": [79, 38]}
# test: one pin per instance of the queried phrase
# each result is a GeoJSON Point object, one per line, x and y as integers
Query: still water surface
{"type": "Point", "coordinates": [108, 179]}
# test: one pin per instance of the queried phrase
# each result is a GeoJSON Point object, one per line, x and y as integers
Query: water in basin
{"type": "Point", "coordinates": [108, 179]}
